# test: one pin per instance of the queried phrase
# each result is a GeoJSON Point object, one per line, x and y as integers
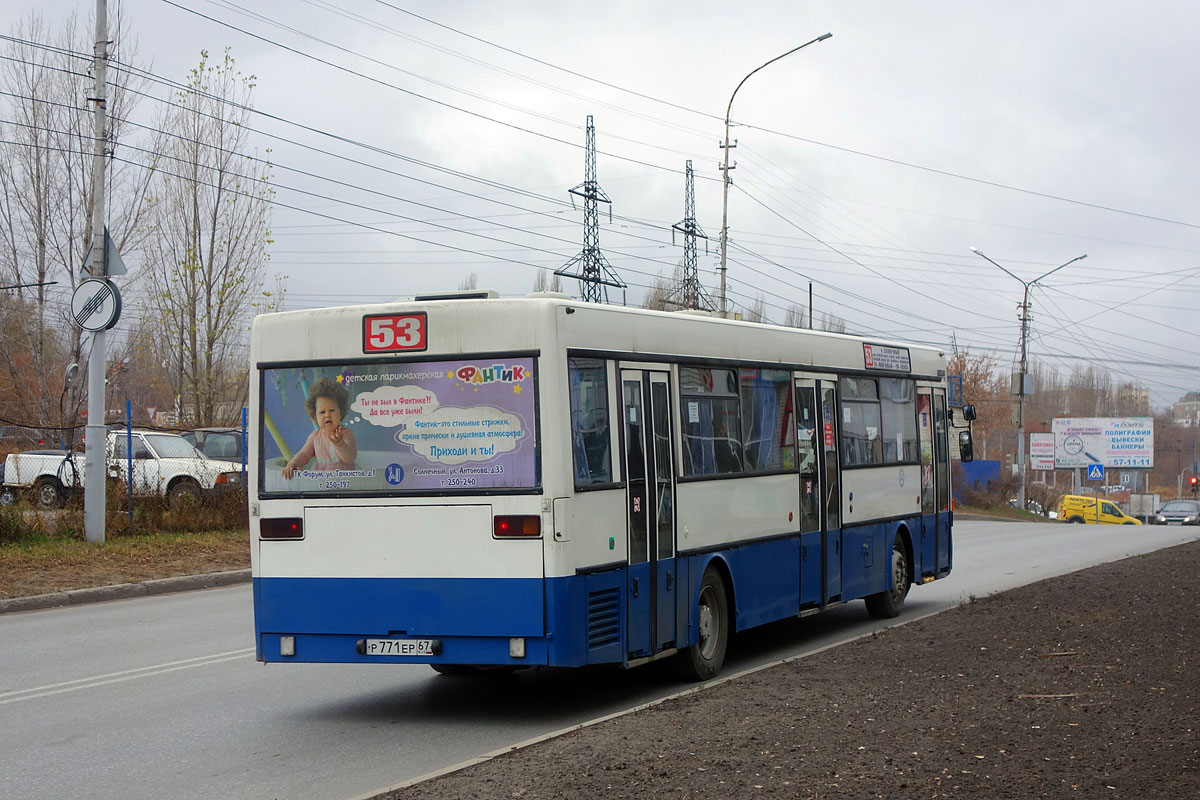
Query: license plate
{"type": "Point", "coordinates": [399, 647]}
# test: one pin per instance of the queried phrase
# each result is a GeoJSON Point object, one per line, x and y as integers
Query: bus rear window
{"type": "Point", "coordinates": [436, 426]}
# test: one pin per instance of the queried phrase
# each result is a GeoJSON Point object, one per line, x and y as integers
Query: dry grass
{"type": "Point", "coordinates": [38, 561]}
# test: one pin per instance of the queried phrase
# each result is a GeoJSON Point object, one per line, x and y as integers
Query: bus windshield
{"type": "Point", "coordinates": [388, 427]}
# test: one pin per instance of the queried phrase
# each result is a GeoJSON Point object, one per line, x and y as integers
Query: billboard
{"type": "Point", "coordinates": [1041, 451]}
{"type": "Point", "coordinates": [440, 426]}
{"type": "Point", "coordinates": [1110, 441]}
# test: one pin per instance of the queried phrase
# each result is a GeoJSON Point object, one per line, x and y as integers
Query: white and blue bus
{"type": "Point", "coordinates": [480, 482]}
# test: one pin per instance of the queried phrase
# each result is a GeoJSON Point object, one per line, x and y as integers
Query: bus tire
{"type": "Point", "coordinates": [1076, 520]}
{"type": "Point", "coordinates": [49, 493]}
{"type": "Point", "coordinates": [704, 659]}
{"type": "Point", "coordinates": [888, 603]}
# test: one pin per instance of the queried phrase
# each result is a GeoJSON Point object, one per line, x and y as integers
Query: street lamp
{"type": "Point", "coordinates": [1021, 376]}
{"type": "Point", "coordinates": [725, 168]}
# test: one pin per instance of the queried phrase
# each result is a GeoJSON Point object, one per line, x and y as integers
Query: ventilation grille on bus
{"type": "Point", "coordinates": [604, 617]}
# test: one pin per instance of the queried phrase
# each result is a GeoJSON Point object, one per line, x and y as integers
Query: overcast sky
{"type": "Point", "coordinates": [868, 163]}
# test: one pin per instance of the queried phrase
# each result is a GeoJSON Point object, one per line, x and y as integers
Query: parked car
{"type": "Point", "coordinates": [1178, 512]}
{"type": "Point", "coordinates": [1080, 509]}
{"type": "Point", "coordinates": [164, 465]}
{"type": "Point", "coordinates": [222, 443]}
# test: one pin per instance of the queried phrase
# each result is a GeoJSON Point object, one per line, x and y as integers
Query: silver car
{"type": "Point", "coordinates": [1179, 512]}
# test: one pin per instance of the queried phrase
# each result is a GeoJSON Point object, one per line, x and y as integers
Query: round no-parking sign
{"type": "Point", "coordinates": [96, 304]}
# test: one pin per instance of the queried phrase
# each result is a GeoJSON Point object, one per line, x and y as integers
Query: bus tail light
{"type": "Point", "coordinates": [281, 528]}
{"type": "Point", "coordinates": [517, 526]}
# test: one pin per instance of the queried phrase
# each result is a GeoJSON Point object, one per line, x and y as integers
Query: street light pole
{"type": "Point", "coordinates": [725, 169]}
{"type": "Point", "coordinates": [1024, 362]}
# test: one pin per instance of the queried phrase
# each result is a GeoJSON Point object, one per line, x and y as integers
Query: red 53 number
{"type": "Point", "coordinates": [388, 333]}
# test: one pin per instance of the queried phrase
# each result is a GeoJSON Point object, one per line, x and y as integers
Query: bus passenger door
{"type": "Point", "coordinates": [831, 488]}
{"type": "Point", "coordinates": [650, 496]}
{"type": "Point", "coordinates": [927, 560]}
{"type": "Point", "coordinates": [942, 479]}
{"type": "Point", "coordinates": [809, 448]}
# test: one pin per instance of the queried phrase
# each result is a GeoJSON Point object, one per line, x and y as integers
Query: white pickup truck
{"type": "Point", "coordinates": [164, 465]}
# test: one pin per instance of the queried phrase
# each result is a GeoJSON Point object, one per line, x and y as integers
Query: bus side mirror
{"type": "Point", "coordinates": [966, 447]}
{"type": "Point", "coordinates": [969, 412]}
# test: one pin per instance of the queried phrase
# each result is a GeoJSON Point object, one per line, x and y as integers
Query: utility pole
{"type": "Point", "coordinates": [94, 453]}
{"type": "Point", "coordinates": [590, 267]}
{"type": "Point", "coordinates": [690, 292]}
{"type": "Point", "coordinates": [1021, 380]}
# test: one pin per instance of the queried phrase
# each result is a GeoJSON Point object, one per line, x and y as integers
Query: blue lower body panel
{"type": "Point", "coordinates": [573, 620]}
{"type": "Point", "coordinates": [472, 618]}
{"type": "Point", "coordinates": [564, 621]}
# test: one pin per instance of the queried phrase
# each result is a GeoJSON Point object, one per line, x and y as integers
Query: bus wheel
{"type": "Point", "coordinates": [887, 604]}
{"type": "Point", "coordinates": [704, 659]}
{"type": "Point", "coordinates": [1076, 520]}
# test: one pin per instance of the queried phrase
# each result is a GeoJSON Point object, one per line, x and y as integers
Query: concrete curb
{"type": "Point", "coordinates": [122, 591]}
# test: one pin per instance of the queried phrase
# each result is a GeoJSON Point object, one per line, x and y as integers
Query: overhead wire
{"type": "Point", "coordinates": [491, 256]}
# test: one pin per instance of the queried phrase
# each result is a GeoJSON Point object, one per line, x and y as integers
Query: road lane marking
{"type": "Point", "coordinates": [17, 695]}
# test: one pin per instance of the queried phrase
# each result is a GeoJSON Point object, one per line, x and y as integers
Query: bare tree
{"type": "Point", "coordinates": [542, 283]}
{"type": "Point", "coordinates": [756, 311]}
{"type": "Point", "coordinates": [469, 283]}
{"type": "Point", "coordinates": [795, 317]}
{"type": "Point", "coordinates": [832, 323]}
{"type": "Point", "coordinates": [987, 389]}
{"type": "Point", "coordinates": [46, 194]}
{"type": "Point", "coordinates": [207, 253]}
{"type": "Point", "coordinates": [657, 296]}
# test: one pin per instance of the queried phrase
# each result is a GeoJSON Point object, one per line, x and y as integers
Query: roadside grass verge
{"type": "Point", "coordinates": [46, 552]}
{"type": "Point", "coordinates": [1004, 510]}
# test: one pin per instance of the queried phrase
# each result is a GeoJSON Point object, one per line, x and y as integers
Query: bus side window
{"type": "Point", "coordinates": [588, 381]}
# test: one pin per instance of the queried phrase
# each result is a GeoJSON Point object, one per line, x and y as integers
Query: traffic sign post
{"type": "Point", "coordinates": [1095, 472]}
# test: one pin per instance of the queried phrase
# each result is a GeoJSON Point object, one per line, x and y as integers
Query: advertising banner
{"type": "Point", "coordinates": [1041, 451]}
{"type": "Point", "coordinates": [1112, 442]}
{"type": "Point", "coordinates": [435, 426]}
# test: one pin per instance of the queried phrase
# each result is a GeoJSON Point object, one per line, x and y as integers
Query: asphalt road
{"type": "Point", "coordinates": [161, 697]}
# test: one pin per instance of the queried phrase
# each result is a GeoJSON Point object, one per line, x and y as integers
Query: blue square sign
{"type": "Point", "coordinates": [1095, 472]}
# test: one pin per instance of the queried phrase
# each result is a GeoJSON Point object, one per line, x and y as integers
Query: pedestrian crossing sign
{"type": "Point", "coordinates": [1095, 472]}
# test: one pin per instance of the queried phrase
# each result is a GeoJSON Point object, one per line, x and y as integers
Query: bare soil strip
{"type": "Point", "coordinates": [1083, 686]}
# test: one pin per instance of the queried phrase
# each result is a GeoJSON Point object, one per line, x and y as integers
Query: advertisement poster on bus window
{"type": "Point", "coordinates": [459, 425]}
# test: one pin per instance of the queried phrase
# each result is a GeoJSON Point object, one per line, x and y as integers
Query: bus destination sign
{"type": "Point", "coordinates": [894, 359]}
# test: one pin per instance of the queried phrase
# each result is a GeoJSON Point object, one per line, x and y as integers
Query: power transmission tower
{"type": "Point", "coordinates": [690, 292]}
{"type": "Point", "coordinates": [590, 267]}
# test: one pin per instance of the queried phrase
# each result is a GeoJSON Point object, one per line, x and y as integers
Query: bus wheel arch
{"type": "Point", "coordinates": [904, 537]}
{"type": "Point", "coordinates": [713, 607]}
{"type": "Point", "coordinates": [888, 603]}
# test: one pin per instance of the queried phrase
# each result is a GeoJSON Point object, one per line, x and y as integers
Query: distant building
{"type": "Point", "coordinates": [1186, 412]}
{"type": "Point", "coordinates": [1132, 401]}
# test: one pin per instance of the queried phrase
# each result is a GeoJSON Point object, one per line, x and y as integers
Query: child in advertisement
{"type": "Point", "coordinates": [331, 444]}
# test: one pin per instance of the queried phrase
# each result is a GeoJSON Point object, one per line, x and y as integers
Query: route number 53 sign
{"type": "Point", "coordinates": [392, 333]}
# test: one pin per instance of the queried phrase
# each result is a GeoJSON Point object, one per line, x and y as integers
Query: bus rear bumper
{"type": "Point", "coordinates": [324, 648]}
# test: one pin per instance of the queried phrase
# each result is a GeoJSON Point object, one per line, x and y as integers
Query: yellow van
{"type": "Point", "coordinates": [1080, 509]}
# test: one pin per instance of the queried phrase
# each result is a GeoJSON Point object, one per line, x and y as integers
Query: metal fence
{"type": "Point", "coordinates": [178, 469]}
